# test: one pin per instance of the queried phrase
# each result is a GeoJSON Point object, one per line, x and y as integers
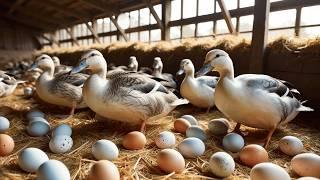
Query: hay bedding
{"type": "Point", "coordinates": [139, 164]}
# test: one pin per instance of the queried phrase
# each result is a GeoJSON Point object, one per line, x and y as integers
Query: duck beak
{"type": "Point", "coordinates": [180, 72]}
{"type": "Point", "coordinates": [33, 66]}
{"type": "Point", "coordinates": [82, 65]}
{"type": "Point", "coordinates": [204, 70]}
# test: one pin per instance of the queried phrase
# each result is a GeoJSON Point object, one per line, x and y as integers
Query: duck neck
{"type": "Point", "coordinates": [49, 71]}
{"type": "Point", "coordinates": [227, 71]}
{"type": "Point", "coordinates": [190, 74]}
{"type": "Point", "coordinates": [102, 71]}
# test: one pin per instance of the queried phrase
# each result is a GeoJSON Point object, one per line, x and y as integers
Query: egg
{"type": "Point", "coordinates": [52, 170]}
{"type": "Point", "coordinates": [290, 145]}
{"type": "Point", "coordinates": [192, 120]}
{"type": "Point", "coordinates": [103, 170]}
{"type": "Point", "coordinates": [191, 147]}
{"type": "Point", "coordinates": [307, 178]}
{"type": "Point", "coordinates": [268, 171]}
{"type": "Point", "coordinates": [6, 145]}
{"type": "Point", "coordinates": [181, 125]}
{"type": "Point", "coordinates": [165, 139]}
{"type": "Point", "coordinates": [62, 129]}
{"type": "Point", "coordinates": [37, 119]}
{"type": "Point", "coordinates": [4, 124]}
{"type": "Point", "coordinates": [105, 150]}
{"type": "Point", "coordinates": [27, 91]}
{"type": "Point", "coordinates": [38, 128]}
{"type": "Point", "coordinates": [233, 142]}
{"type": "Point", "coordinates": [219, 127]}
{"type": "Point", "coordinates": [31, 158]}
{"type": "Point", "coordinates": [60, 144]}
{"type": "Point", "coordinates": [253, 154]}
{"type": "Point", "coordinates": [221, 164]}
{"type": "Point", "coordinates": [306, 164]}
{"type": "Point", "coordinates": [134, 140]}
{"type": "Point", "coordinates": [170, 160]}
{"type": "Point", "coordinates": [196, 131]}
{"type": "Point", "coordinates": [34, 113]}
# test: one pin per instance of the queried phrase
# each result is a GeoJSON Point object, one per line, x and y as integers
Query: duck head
{"type": "Point", "coordinates": [133, 64]}
{"type": "Point", "coordinates": [43, 62]}
{"type": "Point", "coordinates": [56, 61]}
{"type": "Point", "coordinates": [157, 64]}
{"type": "Point", "coordinates": [186, 66]}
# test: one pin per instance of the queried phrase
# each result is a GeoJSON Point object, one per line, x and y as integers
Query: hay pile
{"type": "Point", "coordinates": [132, 164]}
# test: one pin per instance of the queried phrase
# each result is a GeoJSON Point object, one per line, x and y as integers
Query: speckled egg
{"type": "Point", "coordinates": [196, 131]}
{"type": "Point", "coordinates": [30, 159]}
{"type": "Point", "coordinates": [60, 144]}
{"type": "Point", "coordinates": [134, 140]}
{"type": "Point", "coordinates": [38, 128]}
{"type": "Point", "coordinates": [253, 154]}
{"type": "Point", "coordinates": [4, 124]}
{"type": "Point", "coordinates": [221, 164]}
{"type": "Point", "coordinates": [181, 125]}
{"type": "Point", "coordinates": [268, 171]}
{"type": "Point", "coordinates": [192, 120]}
{"type": "Point", "coordinates": [62, 129]}
{"type": "Point", "coordinates": [291, 145]}
{"type": "Point", "coordinates": [28, 91]}
{"type": "Point", "coordinates": [34, 113]}
{"type": "Point", "coordinates": [165, 139]}
{"type": "Point", "coordinates": [191, 147]}
{"type": "Point", "coordinates": [170, 160]}
{"type": "Point", "coordinates": [233, 142]}
{"type": "Point", "coordinates": [104, 170]}
{"type": "Point", "coordinates": [105, 150]}
{"type": "Point", "coordinates": [219, 127]}
{"type": "Point", "coordinates": [306, 164]}
{"type": "Point", "coordinates": [6, 144]}
{"type": "Point", "coordinates": [53, 170]}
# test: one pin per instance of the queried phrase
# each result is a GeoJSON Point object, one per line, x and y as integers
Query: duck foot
{"type": "Point", "coordinates": [267, 140]}
{"type": "Point", "coordinates": [67, 117]}
{"type": "Point", "coordinates": [208, 110]}
{"type": "Point", "coordinates": [238, 131]}
{"type": "Point", "coordinates": [143, 127]}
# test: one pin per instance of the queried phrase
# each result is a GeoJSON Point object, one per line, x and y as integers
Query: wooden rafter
{"type": "Point", "coordinates": [114, 21]}
{"type": "Point", "coordinates": [16, 4]}
{"type": "Point", "coordinates": [54, 39]}
{"type": "Point", "coordinates": [46, 38]}
{"type": "Point", "coordinates": [93, 30]}
{"type": "Point", "coordinates": [227, 16]}
{"type": "Point", "coordinates": [70, 31]}
{"type": "Point", "coordinates": [154, 14]}
{"type": "Point", "coordinates": [102, 7]}
{"type": "Point", "coordinates": [25, 21]}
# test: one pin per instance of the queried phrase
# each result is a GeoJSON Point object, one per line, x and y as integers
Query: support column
{"type": "Point", "coordinates": [166, 15]}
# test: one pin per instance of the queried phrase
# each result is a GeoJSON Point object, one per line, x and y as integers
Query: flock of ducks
{"type": "Point", "coordinates": [125, 94]}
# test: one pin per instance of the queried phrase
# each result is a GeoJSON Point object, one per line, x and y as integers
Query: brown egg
{"type": "Point", "coordinates": [170, 160]}
{"type": "Point", "coordinates": [103, 170]}
{"type": "Point", "coordinates": [6, 145]}
{"type": "Point", "coordinates": [253, 154]}
{"type": "Point", "coordinates": [181, 125]}
{"type": "Point", "coordinates": [134, 140]}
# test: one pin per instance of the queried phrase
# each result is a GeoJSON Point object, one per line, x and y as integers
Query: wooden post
{"type": "Point", "coordinates": [238, 19]}
{"type": "Point", "coordinates": [54, 40]}
{"type": "Point", "coordinates": [93, 31]}
{"type": "Point", "coordinates": [166, 15]}
{"type": "Point", "coordinates": [114, 21]}
{"type": "Point", "coordinates": [227, 16]}
{"type": "Point", "coordinates": [154, 14]}
{"type": "Point", "coordinates": [259, 35]}
{"type": "Point", "coordinates": [72, 36]}
{"type": "Point", "coordinates": [95, 28]}
{"type": "Point", "coordinates": [298, 22]}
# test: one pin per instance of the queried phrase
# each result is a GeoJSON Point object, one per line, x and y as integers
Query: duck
{"type": "Point", "coordinates": [61, 89]}
{"type": "Point", "coordinates": [7, 84]}
{"type": "Point", "coordinates": [128, 97]}
{"type": "Point", "coordinates": [254, 100]}
{"type": "Point", "coordinates": [59, 68]}
{"type": "Point", "coordinates": [133, 64]}
{"type": "Point", "coordinates": [157, 72]}
{"type": "Point", "coordinates": [198, 91]}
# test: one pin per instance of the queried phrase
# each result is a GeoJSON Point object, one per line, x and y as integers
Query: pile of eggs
{"type": "Point", "coordinates": [6, 141]}
{"type": "Point", "coordinates": [61, 141]}
{"type": "Point", "coordinates": [37, 125]}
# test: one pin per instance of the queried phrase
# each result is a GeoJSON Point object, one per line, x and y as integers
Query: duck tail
{"type": "Point", "coordinates": [179, 102]}
{"type": "Point", "coordinates": [304, 108]}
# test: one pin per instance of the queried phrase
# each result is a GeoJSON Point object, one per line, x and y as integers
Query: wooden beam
{"type": "Point", "coordinates": [70, 31]}
{"type": "Point", "coordinates": [16, 4]}
{"type": "Point", "coordinates": [46, 38]}
{"type": "Point", "coordinates": [227, 16]}
{"type": "Point", "coordinates": [26, 21]}
{"type": "Point", "coordinates": [94, 32]}
{"type": "Point", "coordinates": [166, 16]}
{"type": "Point", "coordinates": [122, 32]}
{"type": "Point", "coordinates": [54, 39]}
{"type": "Point", "coordinates": [154, 14]}
{"type": "Point", "coordinates": [259, 35]}
{"type": "Point", "coordinates": [102, 7]}
{"type": "Point", "coordinates": [298, 22]}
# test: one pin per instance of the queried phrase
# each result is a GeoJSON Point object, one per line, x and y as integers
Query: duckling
{"type": "Point", "coordinates": [59, 68]}
{"type": "Point", "coordinates": [61, 89]}
{"type": "Point", "coordinates": [124, 96]}
{"type": "Point", "coordinates": [157, 72]}
{"type": "Point", "coordinates": [255, 100]}
{"type": "Point", "coordinates": [199, 91]}
{"type": "Point", "coordinates": [7, 84]}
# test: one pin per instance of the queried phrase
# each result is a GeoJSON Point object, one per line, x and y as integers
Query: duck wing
{"type": "Point", "coordinates": [210, 81]}
{"type": "Point", "coordinates": [77, 79]}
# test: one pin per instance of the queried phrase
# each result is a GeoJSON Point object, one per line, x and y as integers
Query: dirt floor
{"type": "Point", "coordinates": [134, 164]}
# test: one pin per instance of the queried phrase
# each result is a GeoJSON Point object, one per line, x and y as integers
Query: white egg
{"type": "Point", "coordinates": [291, 145]}
{"type": "Point", "coordinates": [268, 171]}
{"type": "Point", "coordinates": [219, 126]}
{"type": "Point", "coordinates": [28, 91]}
{"type": "Point", "coordinates": [4, 124]}
{"type": "Point", "coordinates": [307, 178]}
{"type": "Point", "coordinates": [53, 170]}
{"type": "Point", "coordinates": [191, 147]}
{"type": "Point", "coordinates": [306, 164]}
{"type": "Point", "coordinates": [233, 142]}
{"type": "Point", "coordinates": [34, 113]}
{"type": "Point", "coordinates": [30, 159]}
{"type": "Point", "coordinates": [192, 120]}
{"type": "Point", "coordinates": [165, 139]}
{"type": "Point", "coordinates": [105, 150]}
{"type": "Point", "coordinates": [38, 128]}
{"type": "Point", "coordinates": [60, 144]}
{"type": "Point", "coordinates": [196, 131]}
{"type": "Point", "coordinates": [62, 129]}
{"type": "Point", "coordinates": [221, 164]}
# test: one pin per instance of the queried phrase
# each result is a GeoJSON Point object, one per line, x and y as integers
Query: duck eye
{"type": "Point", "coordinates": [218, 55]}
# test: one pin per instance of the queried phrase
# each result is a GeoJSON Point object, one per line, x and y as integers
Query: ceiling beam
{"type": "Point", "coordinates": [70, 31]}
{"type": "Point", "coordinates": [93, 31]}
{"type": "Point", "coordinates": [102, 7]}
{"type": "Point", "coordinates": [25, 21]}
{"type": "Point", "coordinates": [16, 4]}
{"type": "Point", "coordinates": [122, 32]}
{"type": "Point", "coordinates": [227, 16]}
{"type": "Point", "coordinates": [154, 14]}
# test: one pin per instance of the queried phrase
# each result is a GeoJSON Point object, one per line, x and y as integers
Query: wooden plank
{"type": "Point", "coordinates": [298, 22]}
{"type": "Point", "coordinates": [227, 16]}
{"type": "Point", "coordinates": [54, 40]}
{"type": "Point", "coordinates": [70, 31]}
{"type": "Point", "coordinates": [16, 4]}
{"type": "Point", "coordinates": [259, 35]}
{"type": "Point", "coordinates": [94, 33]}
{"type": "Point", "coordinates": [102, 7]}
{"type": "Point", "coordinates": [166, 16]}
{"type": "Point", "coordinates": [26, 21]}
{"type": "Point", "coordinates": [122, 32]}
{"type": "Point", "coordinates": [154, 14]}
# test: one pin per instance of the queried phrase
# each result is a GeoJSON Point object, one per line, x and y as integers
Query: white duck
{"type": "Point", "coordinates": [254, 100]}
{"type": "Point", "coordinates": [7, 84]}
{"type": "Point", "coordinates": [157, 72]}
{"type": "Point", "coordinates": [124, 96]}
{"type": "Point", "coordinates": [198, 91]}
{"type": "Point", "coordinates": [59, 68]}
{"type": "Point", "coordinates": [62, 89]}
{"type": "Point", "coordinates": [133, 64]}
